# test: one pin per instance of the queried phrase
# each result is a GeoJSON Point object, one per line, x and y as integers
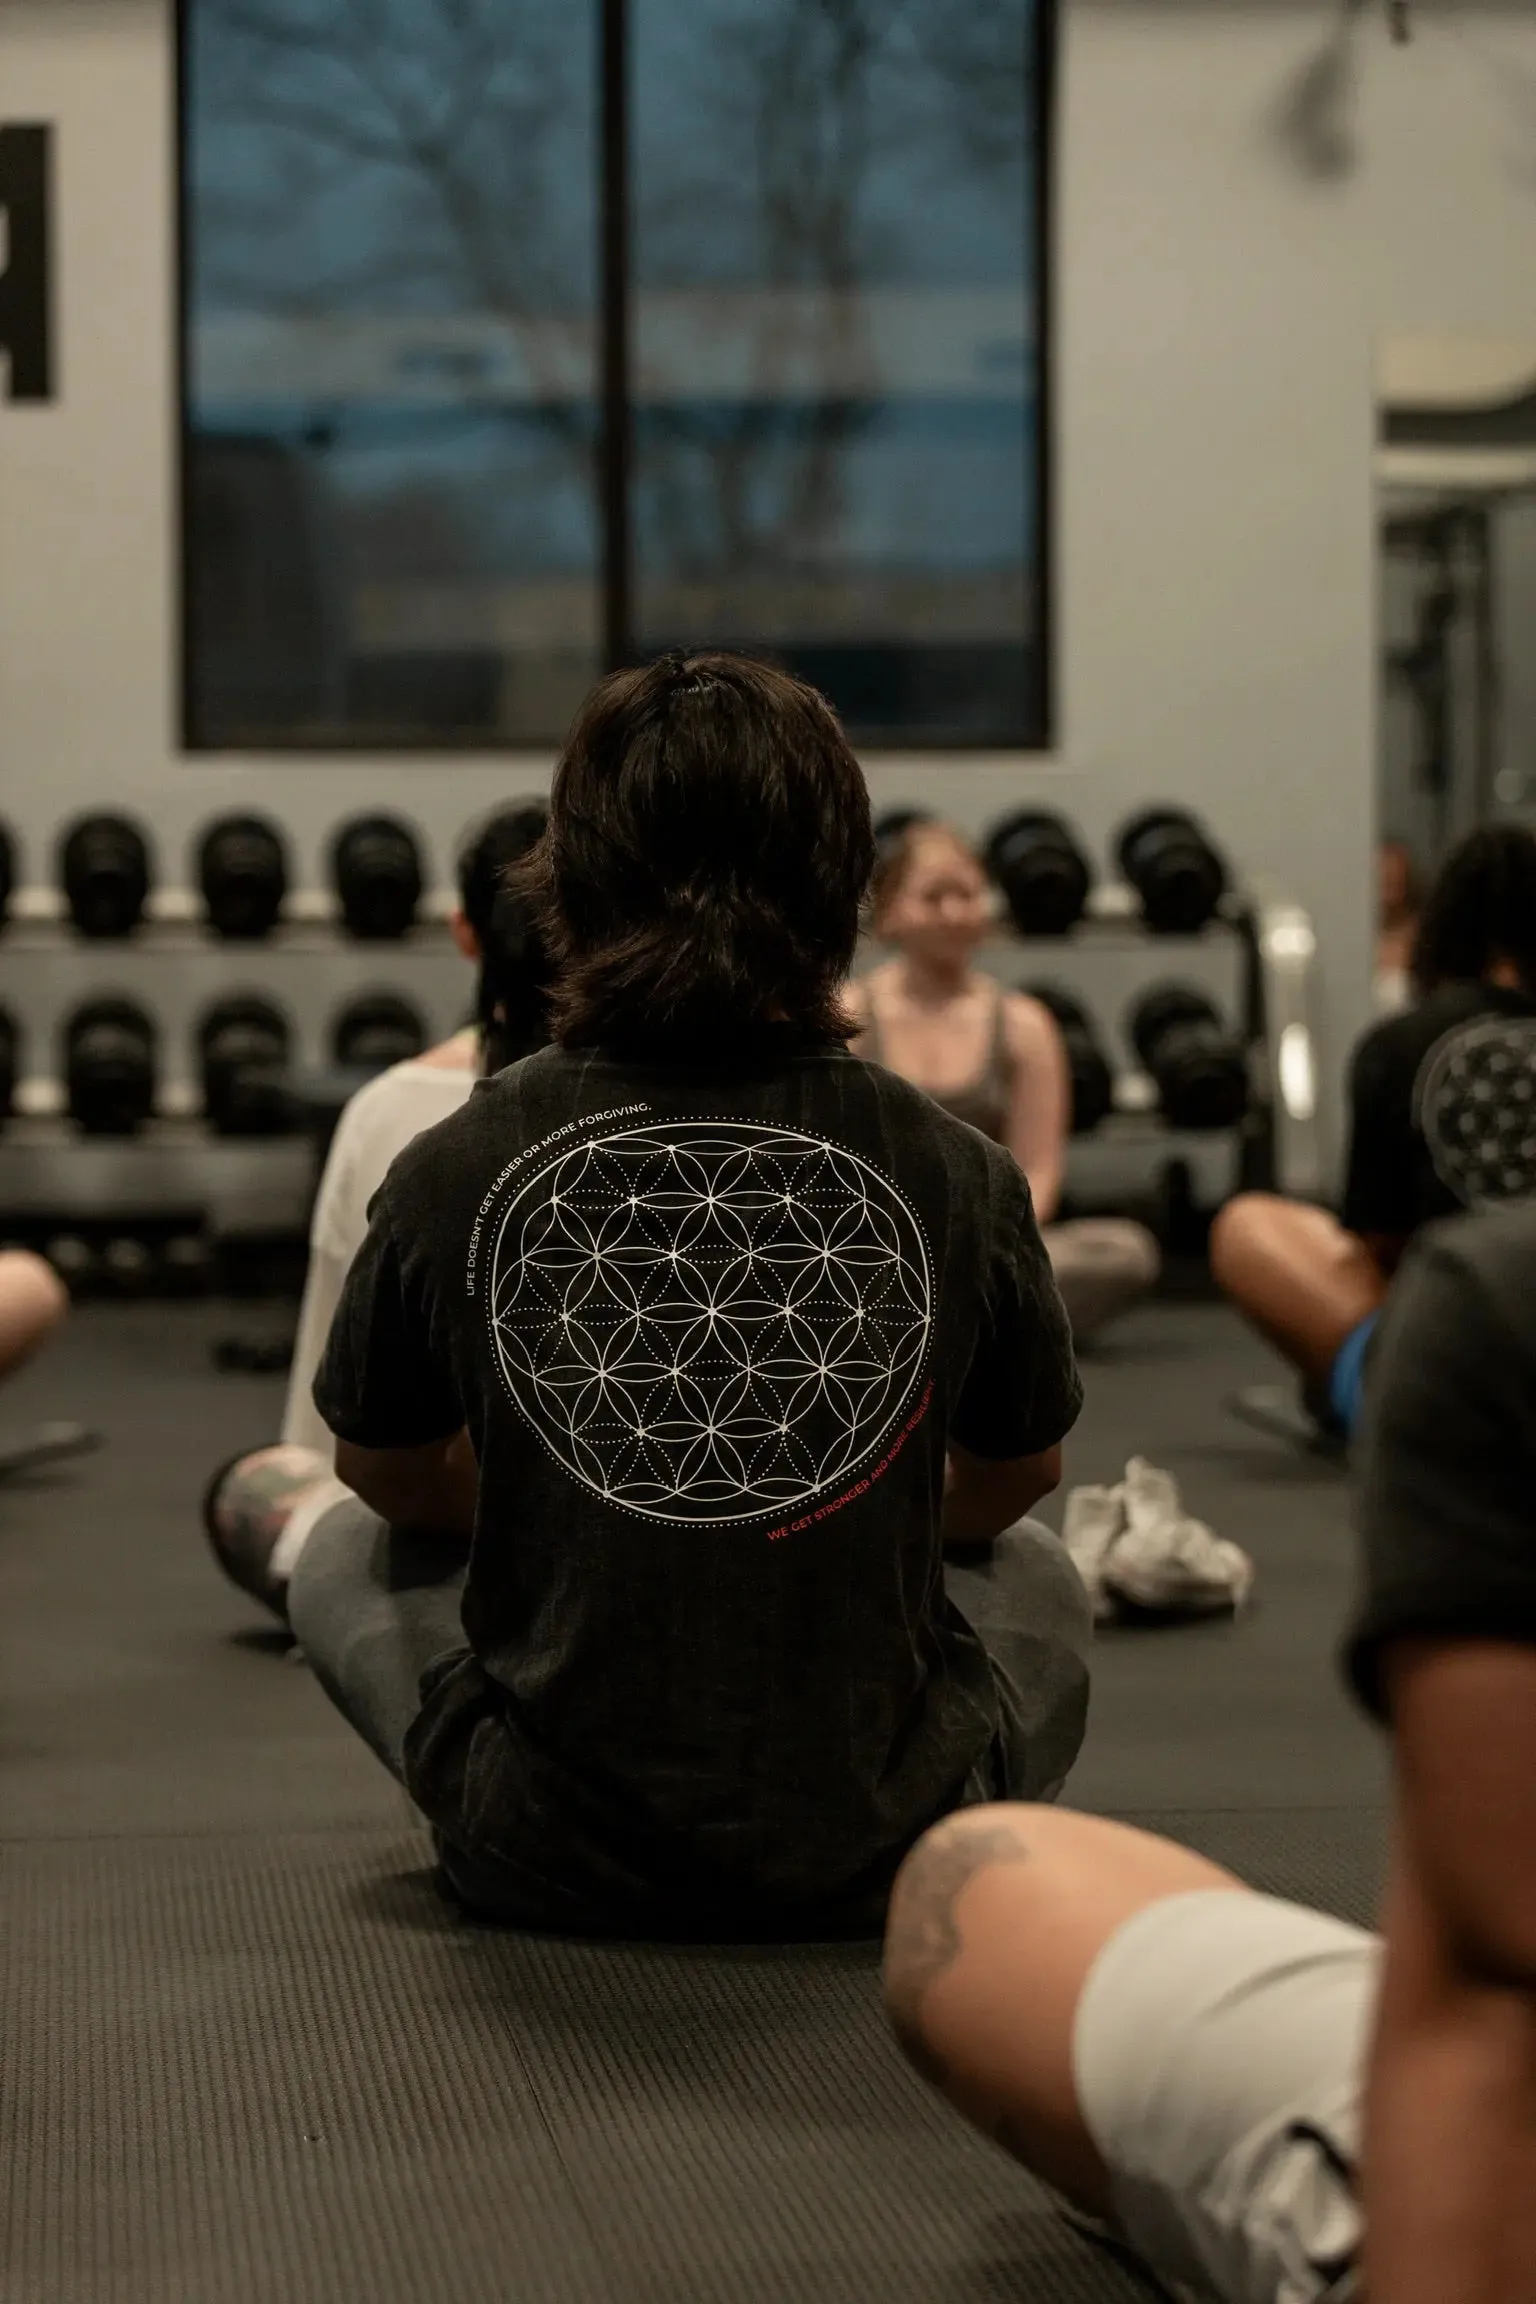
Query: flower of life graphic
{"type": "Point", "coordinates": [709, 1320]}
{"type": "Point", "coordinates": [1475, 1098]}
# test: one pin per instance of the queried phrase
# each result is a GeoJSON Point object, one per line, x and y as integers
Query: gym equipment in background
{"type": "Point", "coordinates": [1036, 860]}
{"type": "Point", "coordinates": [893, 822]}
{"type": "Point", "coordinates": [54, 1443]}
{"type": "Point", "coordinates": [377, 874]}
{"type": "Point", "coordinates": [109, 1066]}
{"type": "Point", "coordinates": [377, 1029]}
{"type": "Point", "coordinates": [1093, 1086]}
{"type": "Point", "coordinates": [127, 1266]}
{"type": "Point", "coordinates": [1179, 876]}
{"type": "Point", "coordinates": [1198, 1065]}
{"type": "Point", "coordinates": [104, 867]}
{"type": "Point", "coordinates": [73, 1259]}
{"type": "Point", "coordinates": [10, 1061]}
{"type": "Point", "coordinates": [243, 1047]}
{"type": "Point", "coordinates": [7, 869]}
{"type": "Point", "coordinates": [242, 870]}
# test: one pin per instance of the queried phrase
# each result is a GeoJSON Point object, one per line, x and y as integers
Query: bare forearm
{"type": "Point", "coordinates": [433, 1490]}
{"type": "Point", "coordinates": [1449, 2178]}
{"type": "Point", "coordinates": [980, 1502]}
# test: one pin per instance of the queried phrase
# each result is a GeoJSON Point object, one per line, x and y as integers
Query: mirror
{"type": "Point", "coordinates": [1456, 495]}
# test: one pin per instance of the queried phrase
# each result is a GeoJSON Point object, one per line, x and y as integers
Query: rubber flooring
{"type": "Point", "coordinates": [248, 2057]}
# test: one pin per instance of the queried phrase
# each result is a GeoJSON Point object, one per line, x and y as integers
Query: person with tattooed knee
{"type": "Point", "coordinates": [1265, 2105]}
{"type": "Point", "coordinates": [259, 1510]}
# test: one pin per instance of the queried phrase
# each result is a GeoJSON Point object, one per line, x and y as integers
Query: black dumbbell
{"type": "Point", "coordinates": [10, 1062]}
{"type": "Point", "coordinates": [894, 823]}
{"type": "Point", "coordinates": [7, 869]}
{"type": "Point", "coordinates": [1179, 876]}
{"type": "Point", "coordinates": [376, 871]}
{"type": "Point", "coordinates": [104, 866]}
{"type": "Point", "coordinates": [243, 1046]}
{"type": "Point", "coordinates": [1198, 1065]}
{"type": "Point", "coordinates": [75, 1261]}
{"type": "Point", "coordinates": [127, 1266]}
{"type": "Point", "coordinates": [1093, 1086]}
{"type": "Point", "coordinates": [375, 1030]}
{"type": "Point", "coordinates": [109, 1066]}
{"type": "Point", "coordinates": [184, 1263]}
{"type": "Point", "coordinates": [1036, 860]}
{"type": "Point", "coordinates": [242, 870]}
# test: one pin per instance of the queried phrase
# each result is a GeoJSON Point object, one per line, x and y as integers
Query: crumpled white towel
{"type": "Point", "coordinates": [1134, 1543]}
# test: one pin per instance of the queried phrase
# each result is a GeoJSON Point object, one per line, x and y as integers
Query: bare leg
{"type": "Point", "coordinates": [33, 1300]}
{"type": "Point", "coordinates": [1297, 1275]}
{"type": "Point", "coordinates": [997, 1919]}
{"type": "Point", "coordinates": [1102, 1267]}
{"type": "Point", "coordinates": [253, 1508]}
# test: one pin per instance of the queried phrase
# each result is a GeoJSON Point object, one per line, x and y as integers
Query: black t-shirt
{"type": "Point", "coordinates": [1448, 1447]}
{"type": "Point", "coordinates": [709, 1336]}
{"type": "Point", "coordinates": [1444, 1110]}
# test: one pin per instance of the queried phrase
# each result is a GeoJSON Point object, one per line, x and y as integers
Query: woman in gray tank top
{"type": "Point", "coordinates": [992, 1057]}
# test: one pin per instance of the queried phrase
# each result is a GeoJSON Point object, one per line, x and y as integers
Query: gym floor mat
{"type": "Point", "coordinates": [250, 2058]}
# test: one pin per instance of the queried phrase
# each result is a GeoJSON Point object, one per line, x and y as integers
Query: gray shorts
{"type": "Point", "coordinates": [1219, 2051]}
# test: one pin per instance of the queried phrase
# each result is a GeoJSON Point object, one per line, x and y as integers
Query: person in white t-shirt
{"type": "Point", "coordinates": [259, 1510]}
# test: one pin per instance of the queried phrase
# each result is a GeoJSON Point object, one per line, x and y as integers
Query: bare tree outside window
{"type": "Point", "coordinates": [394, 416]}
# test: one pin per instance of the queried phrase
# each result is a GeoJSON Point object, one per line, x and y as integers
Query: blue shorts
{"type": "Point", "coordinates": [1346, 1381]}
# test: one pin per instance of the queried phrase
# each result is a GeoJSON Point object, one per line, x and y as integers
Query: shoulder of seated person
{"type": "Point", "coordinates": [1492, 1254]}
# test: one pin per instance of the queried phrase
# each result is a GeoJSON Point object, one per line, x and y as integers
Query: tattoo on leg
{"type": "Point", "coordinates": [924, 1938]}
{"type": "Point", "coordinates": [260, 1492]}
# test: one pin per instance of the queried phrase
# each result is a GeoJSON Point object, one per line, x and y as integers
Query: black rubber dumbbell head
{"type": "Point", "coordinates": [104, 867]}
{"type": "Point", "coordinates": [109, 1066]}
{"type": "Point", "coordinates": [1093, 1085]}
{"type": "Point", "coordinates": [1199, 1067]}
{"type": "Point", "coordinates": [10, 1062]}
{"type": "Point", "coordinates": [1036, 860]}
{"type": "Point", "coordinates": [1173, 867]}
{"type": "Point", "coordinates": [892, 824]}
{"type": "Point", "coordinates": [377, 875]}
{"type": "Point", "coordinates": [243, 1045]}
{"type": "Point", "coordinates": [242, 871]}
{"type": "Point", "coordinates": [377, 1029]}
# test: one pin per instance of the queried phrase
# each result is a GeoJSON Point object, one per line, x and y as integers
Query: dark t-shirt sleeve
{"type": "Point", "coordinates": [1022, 1392]}
{"type": "Point", "coordinates": [379, 1383]}
{"type": "Point", "coordinates": [1448, 1451]}
{"type": "Point", "coordinates": [1379, 1178]}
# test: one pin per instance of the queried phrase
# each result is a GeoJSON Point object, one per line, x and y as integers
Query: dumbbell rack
{"type": "Point", "coordinates": [177, 1167]}
{"type": "Point", "coordinates": [1254, 961]}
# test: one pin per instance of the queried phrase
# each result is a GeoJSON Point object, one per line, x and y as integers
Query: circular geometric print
{"type": "Point", "coordinates": [1475, 1101]}
{"type": "Point", "coordinates": [709, 1320]}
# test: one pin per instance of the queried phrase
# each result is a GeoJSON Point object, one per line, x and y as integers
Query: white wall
{"type": "Point", "coordinates": [1217, 309]}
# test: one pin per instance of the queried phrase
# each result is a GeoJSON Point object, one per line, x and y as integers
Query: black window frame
{"type": "Point", "coordinates": [613, 371]}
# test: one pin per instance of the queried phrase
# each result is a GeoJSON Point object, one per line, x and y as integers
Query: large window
{"type": "Point", "coordinates": [527, 336]}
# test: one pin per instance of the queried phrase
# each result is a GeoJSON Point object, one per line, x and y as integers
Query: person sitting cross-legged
{"type": "Point", "coordinates": [1443, 1118]}
{"type": "Point", "coordinates": [695, 1378]}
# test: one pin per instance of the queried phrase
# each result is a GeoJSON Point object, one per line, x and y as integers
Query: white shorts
{"type": "Point", "coordinates": [1219, 2050]}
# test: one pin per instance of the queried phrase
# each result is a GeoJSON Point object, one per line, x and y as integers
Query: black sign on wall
{"type": "Point", "coordinates": [26, 284]}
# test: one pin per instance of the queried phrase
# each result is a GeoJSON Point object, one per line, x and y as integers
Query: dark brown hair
{"type": "Point", "coordinates": [708, 848]}
{"type": "Point", "coordinates": [1481, 909]}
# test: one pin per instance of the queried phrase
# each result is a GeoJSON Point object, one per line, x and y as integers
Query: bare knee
{"type": "Point", "coordinates": [33, 1301]}
{"type": "Point", "coordinates": [1244, 1225]}
{"type": "Point", "coordinates": [997, 1919]}
{"type": "Point", "coordinates": [922, 1935]}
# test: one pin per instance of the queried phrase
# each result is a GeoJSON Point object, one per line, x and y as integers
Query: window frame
{"type": "Point", "coordinates": [613, 370]}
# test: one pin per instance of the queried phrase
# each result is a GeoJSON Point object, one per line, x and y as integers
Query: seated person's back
{"type": "Point", "coordinates": [713, 1300]}
{"type": "Point", "coordinates": [1444, 1095]}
